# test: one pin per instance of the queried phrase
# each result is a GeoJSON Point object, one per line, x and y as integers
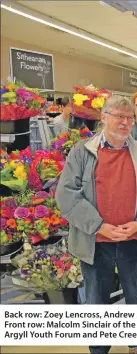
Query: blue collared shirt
{"type": "Point", "coordinates": [105, 143]}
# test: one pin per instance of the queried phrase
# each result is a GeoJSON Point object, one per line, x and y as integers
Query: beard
{"type": "Point", "coordinates": [119, 136]}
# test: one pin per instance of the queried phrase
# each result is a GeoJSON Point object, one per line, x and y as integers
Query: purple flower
{"type": "Point", "coordinates": [57, 144]}
{"type": "Point", "coordinates": [42, 194]}
{"type": "Point", "coordinates": [2, 223]}
{"type": "Point", "coordinates": [38, 267]}
{"type": "Point", "coordinates": [88, 134]}
{"type": "Point", "coordinates": [10, 202]}
{"type": "Point", "coordinates": [40, 211]}
{"type": "Point", "coordinates": [3, 90]}
{"type": "Point", "coordinates": [21, 213]}
{"type": "Point", "coordinates": [40, 255]}
{"type": "Point", "coordinates": [24, 273]}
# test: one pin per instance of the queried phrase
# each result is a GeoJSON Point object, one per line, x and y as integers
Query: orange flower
{"type": "Point", "coordinates": [27, 220]}
{"type": "Point", "coordinates": [54, 219]}
{"type": "Point", "coordinates": [11, 223]}
{"type": "Point", "coordinates": [64, 135]}
{"type": "Point", "coordinates": [31, 210]}
{"type": "Point", "coordinates": [47, 221]}
{"type": "Point", "coordinates": [38, 201]}
{"type": "Point", "coordinates": [2, 212]}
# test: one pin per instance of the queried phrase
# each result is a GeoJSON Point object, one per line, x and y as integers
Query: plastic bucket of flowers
{"type": "Point", "coordinates": [51, 272]}
{"type": "Point", "coordinates": [18, 104]}
{"type": "Point", "coordinates": [11, 239]}
{"type": "Point", "coordinates": [38, 217]}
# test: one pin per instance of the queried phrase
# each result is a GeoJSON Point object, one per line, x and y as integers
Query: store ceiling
{"type": "Point", "coordinates": [101, 20]}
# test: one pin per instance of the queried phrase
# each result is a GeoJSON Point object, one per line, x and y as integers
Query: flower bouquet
{"type": "Point", "coordinates": [45, 168]}
{"type": "Point", "coordinates": [48, 269]}
{"type": "Point", "coordinates": [14, 169]}
{"type": "Point", "coordinates": [10, 237]}
{"type": "Point", "coordinates": [88, 101]}
{"type": "Point", "coordinates": [19, 102]}
{"type": "Point", "coordinates": [38, 217]}
{"type": "Point", "coordinates": [65, 141]}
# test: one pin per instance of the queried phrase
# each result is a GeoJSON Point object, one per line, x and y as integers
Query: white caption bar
{"type": "Point", "coordinates": [79, 325]}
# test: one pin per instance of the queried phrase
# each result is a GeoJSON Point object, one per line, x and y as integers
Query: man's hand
{"type": "Point", "coordinates": [128, 229]}
{"type": "Point", "coordinates": [113, 232]}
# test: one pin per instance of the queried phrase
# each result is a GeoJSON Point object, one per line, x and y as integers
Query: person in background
{"type": "Point", "coordinates": [134, 129]}
{"type": "Point", "coordinates": [61, 122]}
{"type": "Point", "coordinates": [99, 183]}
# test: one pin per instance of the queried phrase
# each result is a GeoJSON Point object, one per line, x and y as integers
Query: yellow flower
{"type": "Point", "coordinates": [19, 171]}
{"type": "Point", "coordinates": [11, 87]}
{"type": "Point", "coordinates": [23, 176]}
{"type": "Point", "coordinates": [79, 99]}
{"type": "Point", "coordinates": [75, 131]}
{"type": "Point", "coordinates": [98, 102]}
{"type": "Point", "coordinates": [3, 160]}
{"type": "Point", "coordinates": [13, 164]}
{"type": "Point", "coordinates": [57, 212]}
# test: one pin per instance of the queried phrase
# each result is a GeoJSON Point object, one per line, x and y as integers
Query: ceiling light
{"type": "Point", "coordinates": [67, 30]}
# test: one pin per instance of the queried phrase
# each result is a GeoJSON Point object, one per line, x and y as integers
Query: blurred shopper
{"type": "Point", "coordinates": [97, 194]}
{"type": "Point", "coordinates": [61, 122]}
{"type": "Point", "coordinates": [134, 130]}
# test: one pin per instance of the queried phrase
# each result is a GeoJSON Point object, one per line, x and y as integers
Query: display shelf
{"type": "Point", "coordinates": [7, 138]}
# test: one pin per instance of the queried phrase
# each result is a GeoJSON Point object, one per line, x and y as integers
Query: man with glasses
{"type": "Point", "coordinates": [97, 194]}
{"type": "Point", "coordinates": [134, 130]}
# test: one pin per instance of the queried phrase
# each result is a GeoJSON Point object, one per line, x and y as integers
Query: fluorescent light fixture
{"type": "Point", "coordinates": [67, 30]}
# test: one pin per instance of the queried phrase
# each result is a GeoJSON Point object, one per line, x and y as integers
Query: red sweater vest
{"type": "Point", "coordinates": [115, 188]}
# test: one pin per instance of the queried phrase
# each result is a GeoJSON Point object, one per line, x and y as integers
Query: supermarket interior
{"type": "Point", "coordinates": [68, 158]}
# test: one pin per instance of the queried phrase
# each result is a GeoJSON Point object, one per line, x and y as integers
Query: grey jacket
{"type": "Point", "coordinates": [76, 196]}
{"type": "Point", "coordinates": [134, 131]}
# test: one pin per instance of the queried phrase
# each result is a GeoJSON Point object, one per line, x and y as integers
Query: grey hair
{"type": "Point", "coordinates": [118, 102]}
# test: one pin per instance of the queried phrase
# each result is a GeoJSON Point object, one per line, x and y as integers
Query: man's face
{"type": "Point", "coordinates": [118, 123]}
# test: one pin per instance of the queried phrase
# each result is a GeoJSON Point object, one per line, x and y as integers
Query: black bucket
{"type": "Point", "coordinates": [9, 248]}
{"type": "Point", "coordinates": [17, 127]}
{"type": "Point", "coordinates": [66, 296]}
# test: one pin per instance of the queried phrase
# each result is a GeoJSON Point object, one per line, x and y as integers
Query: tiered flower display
{"type": "Point", "coordinates": [19, 102]}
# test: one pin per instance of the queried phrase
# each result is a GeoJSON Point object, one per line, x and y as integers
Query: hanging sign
{"type": "Point", "coordinates": [129, 78]}
{"type": "Point", "coordinates": [34, 69]}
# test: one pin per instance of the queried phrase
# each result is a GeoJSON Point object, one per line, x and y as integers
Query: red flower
{"type": "Point", "coordinates": [63, 222]}
{"type": "Point", "coordinates": [68, 266]}
{"type": "Point", "coordinates": [13, 156]}
{"type": "Point", "coordinates": [9, 237]}
{"type": "Point", "coordinates": [31, 211]}
{"type": "Point", "coordinates": [59, 264]}
{"type": "Point", "coordinates": [27, 220]}
{"type": "Point", "coordinates": [7, 212]}
{"type": "Point", "coordinates": [53, 192]}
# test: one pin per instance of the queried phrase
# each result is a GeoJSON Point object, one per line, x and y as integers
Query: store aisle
{"type": "Point", "coordinates": [57, 350]}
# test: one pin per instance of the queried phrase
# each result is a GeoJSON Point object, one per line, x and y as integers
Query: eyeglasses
{"type": "Point", "coordinates": [120, 117]}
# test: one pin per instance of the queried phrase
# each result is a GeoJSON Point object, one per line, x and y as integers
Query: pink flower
{"type": "Point", "coordinates": [59, 264]}
{"type": "Point", "coordinates": [68, 266]}
{"type": "Point", "coordinates": [21, 213]}
{"type": "Point", "coordinates": [40, 211]}
{"type": "Point", "coordinates": [42, 194]}
{"type": "Point", "coordinates": [63, 222]}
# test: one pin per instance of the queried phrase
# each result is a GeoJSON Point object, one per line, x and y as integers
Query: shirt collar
{"type": "Point", "coordinates": [105, 143]}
